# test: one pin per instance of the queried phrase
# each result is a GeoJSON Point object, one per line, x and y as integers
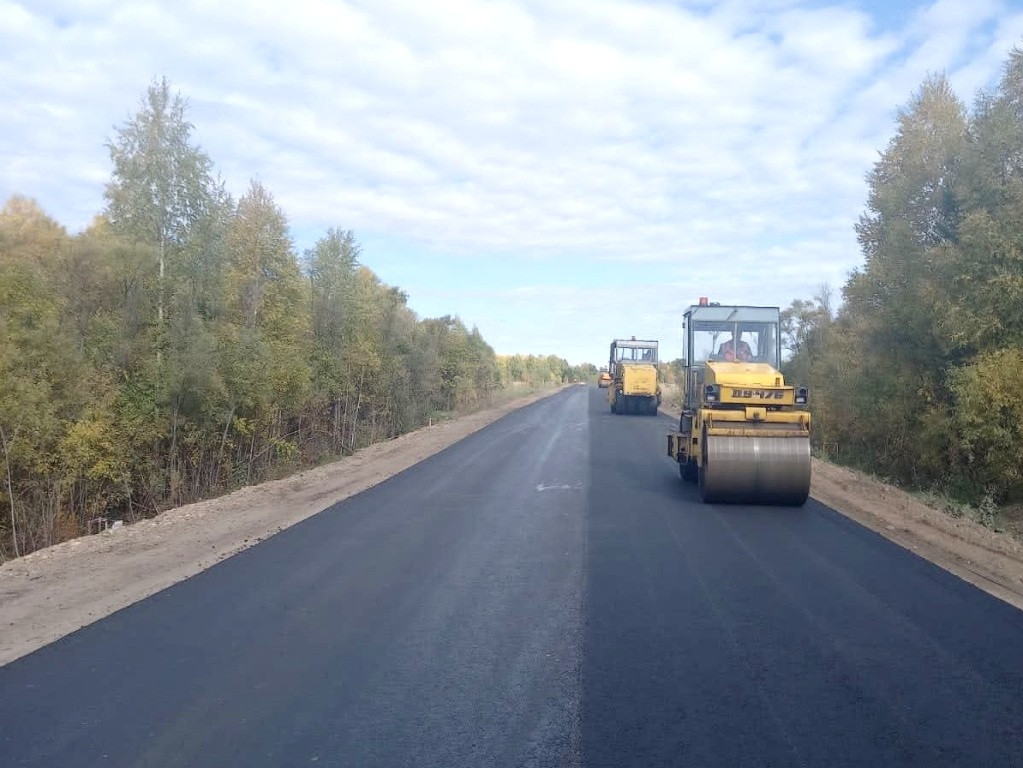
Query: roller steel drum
{"type": "Point", "coordinates": [756, 470]}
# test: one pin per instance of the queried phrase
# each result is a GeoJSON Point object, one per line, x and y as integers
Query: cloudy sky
{"type": "Point", "coordinates": [556, 172]}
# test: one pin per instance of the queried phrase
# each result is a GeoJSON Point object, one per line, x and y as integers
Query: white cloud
{"type": "Point", "coordinates": [637, 137]}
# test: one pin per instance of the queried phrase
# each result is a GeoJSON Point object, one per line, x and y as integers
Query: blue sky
{"type": "Point", "coordinates": [556, 173]}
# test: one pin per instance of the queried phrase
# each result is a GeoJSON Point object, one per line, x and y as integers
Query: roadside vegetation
{"type": "Point", "coordinates": [181, 347]}
{"type": "Point", "coordinates": [917, 376]}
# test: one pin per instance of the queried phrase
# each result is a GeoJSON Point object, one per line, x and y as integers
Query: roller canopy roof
{"type": "Point", "coordinates": [733, 314]}
{"type": "Point", "coordinates": [636, 343]}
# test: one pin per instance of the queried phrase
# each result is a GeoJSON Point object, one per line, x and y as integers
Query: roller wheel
{"type": "Point", "coordinates": [755, 470]}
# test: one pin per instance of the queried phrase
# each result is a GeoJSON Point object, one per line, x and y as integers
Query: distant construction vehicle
{"type": "Point", "coordinates": [634, 387]}
{"type": "Point", "coordinates": [604, 379]}
{"type": "Point", "coordinates": [744, 434]}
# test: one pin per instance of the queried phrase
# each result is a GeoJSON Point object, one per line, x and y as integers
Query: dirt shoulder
{"type": "Point", "coordinates": [987, 559]}
{"type": "Point", "coordinates": [55, 591]}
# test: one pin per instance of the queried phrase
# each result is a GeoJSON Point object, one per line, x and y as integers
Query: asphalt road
{"type": "Point", "coordinates": [544, 593]}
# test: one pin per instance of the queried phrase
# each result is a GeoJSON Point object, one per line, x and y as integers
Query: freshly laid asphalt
{"type": "Point", "coordinates": [546, 592]}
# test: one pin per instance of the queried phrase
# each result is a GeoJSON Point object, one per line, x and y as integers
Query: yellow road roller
{"type": "Point", "coordinates": [634, 386]}
{"type": "Point", "coordinates": [744, 434]}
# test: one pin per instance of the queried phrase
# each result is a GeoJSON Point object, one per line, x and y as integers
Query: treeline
{"type": "Point", "coordinates": [536, 371]}
{"type": "Point", "coordinates": [180, 346]}
{"type": "Point", "coordinates": [919, 375]}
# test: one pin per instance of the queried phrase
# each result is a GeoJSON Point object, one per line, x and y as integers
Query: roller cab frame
{"type": "Point", "coordinates": [634, 387]}
{"type": "Point", "coordinates": [744, 434]}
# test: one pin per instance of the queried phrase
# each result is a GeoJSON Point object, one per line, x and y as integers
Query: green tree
{"type": "Point", "coordinates": [331, 265]}
{"type": "Point", "coordinates": [161, 184]}
{"type": "Point", "coordinates": [264, 339]}
{"type": "Point", "coordinates": [913, 216]}
{"type": "Point", "coordinates": [913, 211]}
{"type": "Point", "coordinates": [37, 370]}
{"type": "Point", "coordinates": [988, 422]}
{"type": "Point", "coordinates": [984, 271]}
